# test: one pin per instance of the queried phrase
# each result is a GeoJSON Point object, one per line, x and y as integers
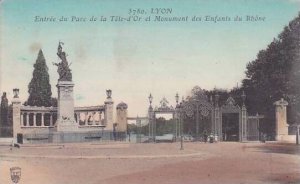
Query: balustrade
{"type": "Point", "coordinates": [45, 117]}
{"type": "Point", "coordinates": [32, 116]}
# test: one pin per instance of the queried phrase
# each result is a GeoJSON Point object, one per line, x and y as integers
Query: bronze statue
{"type": "Point", "coordinates": [63, 69]}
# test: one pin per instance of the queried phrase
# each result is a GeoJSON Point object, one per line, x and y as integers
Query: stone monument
{"type": "Point", "coordinates": [281, 119]}
{"type": "Point", "coordinates": [65, 103]}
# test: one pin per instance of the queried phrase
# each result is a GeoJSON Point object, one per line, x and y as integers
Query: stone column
{"type": "Point", "coordinates": [281, 119]}
{"type": "Point", "coordinates": [27, 119]}
{"type": "Point", "coordinates": [42, 119]}
{"type": "Point", "coordinates": [22, 121]}
{"type": "Point", "coordinates": [93, 121]}
{"type": "Point", "coordinates": [86, 118]}
{"type": "Point", "coordinates": [78, 117]}
{"type": "Point", "coordinates": [34, 119]}
{"type": "Point", "coordinates": [51, 119]}
{"type": "Point", "coordinates": [16, 104]}
{"type": "Point", "coordinates": [100, 117]}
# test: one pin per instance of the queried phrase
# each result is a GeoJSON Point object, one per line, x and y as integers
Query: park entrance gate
{"type": "Point", "coordinates": [200, 111]}
{"type": "Point", "coordinates": [209, 117]}
{"type": "Point", "coordinates": [164, 108]}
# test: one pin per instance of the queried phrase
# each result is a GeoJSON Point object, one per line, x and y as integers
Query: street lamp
{"type": "Point", "coordinates": [151, 128]}
{"type": "Point", "coordinates": [177, 98]}
{"type": "Point", "coordinates": [181, 126]}
{"type": "Point", "coordinates": [150, 99]}
{"type": "Point", "coordinates": [217, 128]}
{"type": "Point", "coordinates": [177, 122]}
{"type": "Point", "coordinates": [217, 96]}
{"type": "Point", "coordinates": [243, 97]}
{"type": "Point", "coordinates": [178, 109]}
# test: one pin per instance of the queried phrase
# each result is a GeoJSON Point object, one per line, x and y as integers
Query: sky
{"type": "Point", "coordinates": [134, 59]}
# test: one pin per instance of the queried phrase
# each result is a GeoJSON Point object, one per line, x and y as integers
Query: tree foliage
{"type": "Point", "coordinates": [275, 74]}
{"type": "Point", "coordinates": [163, 126]}
{"type": "Point", "coordinates": [5, 120]}
{"type": "Point", "coordinates": [39, 88]}
{"type": "Point", "coordinates": [199, 94]}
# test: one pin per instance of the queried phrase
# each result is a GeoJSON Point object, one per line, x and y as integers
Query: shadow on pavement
{"type": "Point", "coordinates": [282, 148]}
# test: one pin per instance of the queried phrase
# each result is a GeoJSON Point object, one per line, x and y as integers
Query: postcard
{"type": "Point", "coordinates": [137, 91]}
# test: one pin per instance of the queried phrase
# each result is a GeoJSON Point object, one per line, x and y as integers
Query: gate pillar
{"type": "Point", "coordinates": [281, 119]}
{"type": "Point", "coordinates": [217, 123]}
{"type": "Point", "coordinates": [16, 105]}
{"type": "Point", "coordinates": [109, 111]}
{"type": "Point", "coordinates": [243, 124]}
{"type": "Point", "coordinates": [150, 116]}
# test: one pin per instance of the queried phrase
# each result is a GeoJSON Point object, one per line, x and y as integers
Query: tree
{"type": "Point", "coordinates": [5, 123]}
{"type": "Point", "coordinates": [275, 74]}
{"type": "Point", "coordinates": [39, 88]}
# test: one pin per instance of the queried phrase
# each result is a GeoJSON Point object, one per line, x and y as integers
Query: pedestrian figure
{"type": "Point", "coordinates": [205, 137]}
{"type": "Point", "coordinates": [262, 138]}
{"type": "Point", "coordinates": [211, 138]}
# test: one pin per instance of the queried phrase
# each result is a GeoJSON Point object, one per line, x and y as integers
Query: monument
{"type": "Point", "coordinates": [65, 103]}
{"type": "Point", "coordinates": [66, 123]}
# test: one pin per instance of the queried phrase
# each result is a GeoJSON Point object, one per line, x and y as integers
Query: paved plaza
{"type": "Point", "coordinates": [112, 163]}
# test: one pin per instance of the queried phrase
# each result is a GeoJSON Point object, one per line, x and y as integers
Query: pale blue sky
{"type": "Point", "coordinates": [134, 59]}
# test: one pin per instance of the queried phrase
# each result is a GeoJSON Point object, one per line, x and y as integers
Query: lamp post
{"type": "Point", "coordinates": [150, 116]}
{"type": "Point", "coordinates": [243, 97]}
{"type": "Point", "coordinates": [218, 129]}
{"type": "Point", "coordinates": [181, 127]}
{"type": "Point", "coordinates": [244, 119]}
{"type": "Point", "coordinates": [177, 123]}
{"type": "Point", "coordinates": [150, 99]}
{"type": "Point", "coordinates": [178, 110]}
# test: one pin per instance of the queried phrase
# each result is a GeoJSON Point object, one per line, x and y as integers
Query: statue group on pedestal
{"type": "Point", "coordinates": [63, 69]}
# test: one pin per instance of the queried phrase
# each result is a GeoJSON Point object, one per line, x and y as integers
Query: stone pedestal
{"type": "Point", "coordinates": [16, 105]}
{"type": "Point", "coordinates": [65, 107]}
{"type": "Point", "coordinates": [281, 119]}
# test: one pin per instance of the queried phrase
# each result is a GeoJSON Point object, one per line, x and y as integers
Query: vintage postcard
{"type": "Point", "coordinates": [139, 91]}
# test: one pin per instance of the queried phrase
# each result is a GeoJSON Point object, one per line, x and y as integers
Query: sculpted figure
{"type": "Point", "coordinates": [63, 68]}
